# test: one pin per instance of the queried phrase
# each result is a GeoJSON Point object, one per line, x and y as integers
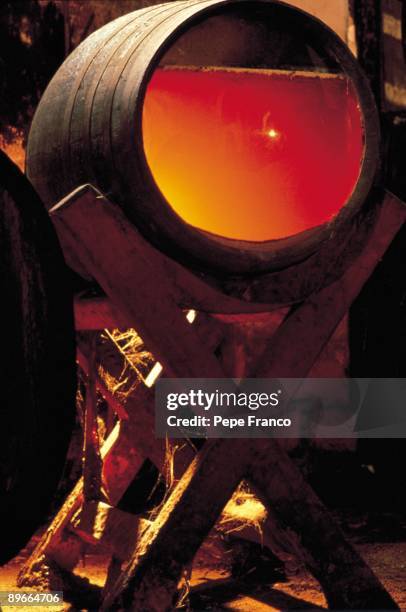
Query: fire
{"type": "Point", "coordinates": [252, 154]}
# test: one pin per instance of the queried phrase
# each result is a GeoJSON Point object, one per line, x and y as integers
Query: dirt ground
{"type": "Point", "coordinates": [211, 588]}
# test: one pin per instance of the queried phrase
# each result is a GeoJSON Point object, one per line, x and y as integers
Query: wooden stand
{"type": "Point", "coordinates": [147, 290]}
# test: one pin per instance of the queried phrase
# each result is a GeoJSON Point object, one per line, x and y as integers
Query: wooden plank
{"type": "Point", "coordinates": [204, 296]}
{"type": "Point", "coordinates": [135, 280]}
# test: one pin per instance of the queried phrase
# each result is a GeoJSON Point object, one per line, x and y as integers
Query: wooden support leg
{"type": "Point", "coordinates": [347, 581]}
{"type": "Point", "coordinates": [169, 545]}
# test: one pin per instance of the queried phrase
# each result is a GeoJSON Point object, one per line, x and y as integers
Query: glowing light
{"type": "Point", "coordinates": [110, 441]}
{"type": "Point", "coordinates": [153, 375]}
{"type": "Point", "coordinates": [191, 315]}
{"type": "Point", "coordinates": [252, 154]}
{"type": "Point", "coordinates": [273, 134]}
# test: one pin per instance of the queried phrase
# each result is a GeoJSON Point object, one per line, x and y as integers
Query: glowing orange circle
{"type": "Point", "coordinates": [252, 154]}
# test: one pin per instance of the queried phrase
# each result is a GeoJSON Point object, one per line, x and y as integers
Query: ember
{"type": "Point", "coordinates": [253, 154]}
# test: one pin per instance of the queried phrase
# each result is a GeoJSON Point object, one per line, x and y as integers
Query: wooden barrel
{"type": "Point", "coordinates": [38, 374]}
{"type": "Point", "coordinates": [287, 189]}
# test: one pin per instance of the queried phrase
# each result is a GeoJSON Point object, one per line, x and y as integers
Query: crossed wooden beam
{"type": "Point", "coordinates": [147, 289]}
